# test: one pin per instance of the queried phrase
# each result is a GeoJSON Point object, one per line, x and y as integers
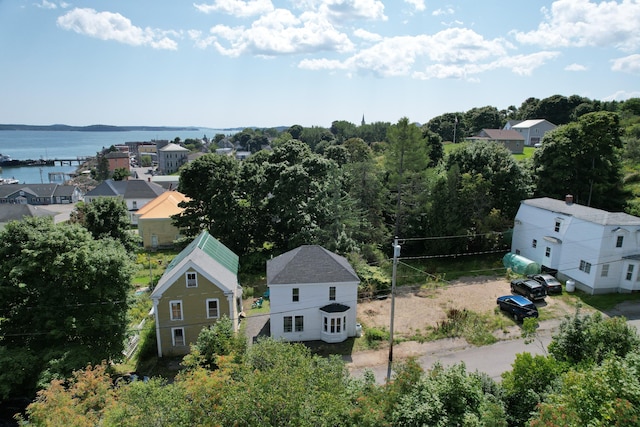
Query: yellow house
{"type": "Point", "coordinates": [155, 226]}
{"type": "Point", "coordinates": [199, 286]}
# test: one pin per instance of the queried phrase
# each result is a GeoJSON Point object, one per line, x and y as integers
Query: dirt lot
{"type": "Point", "coordinates": [417, 309]}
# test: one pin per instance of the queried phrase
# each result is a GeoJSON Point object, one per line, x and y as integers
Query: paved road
{"type": "Point", "coordinates": [491, 359]}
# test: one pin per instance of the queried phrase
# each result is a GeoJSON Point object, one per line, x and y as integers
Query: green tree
{"type": "Point", "coordinates": [508, 181]}
{"type": "Point", "coordinates": [64, 301]}
{"type": "Point", "coordinates": [601, 395]}
{"type": "Point", "coordinates": [450, 397]}
{"type": "Point", "coordinates": [106, 217]}
{"type": "Point", "coordinates": [282, 384]}
{"type": "Point", "coordinates": [487, 117]}
{"type": "Point", "coordinates": [406, 161]}
{"type": "Point", "coordinates": [211, 182]}
{"type": "Point", "coordinates": [120, 174]}
{"type": "Point", "coordinates": [526, 385]}
{"type": "Point", "coordinates": [590, 338]}
{"type": "Point", "coordinates": [215, 341]}
{"type": "Point", "coordinates": [583, 159]}
{"type": "Point", "coordinates": [343, 130]}
{"type": "Point", "coordinates": [449, 126]}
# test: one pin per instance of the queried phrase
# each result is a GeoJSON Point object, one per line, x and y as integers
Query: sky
{"type": "Point", "coordinates": [267, 63]}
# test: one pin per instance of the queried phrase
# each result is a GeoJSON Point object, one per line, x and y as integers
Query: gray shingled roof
{"type": "Point", "coordinates": [11, 212]}
{"type": "Point", "coordinates": [585, 213]}
{"type": "Point", "coordinates": [309, 264]}
{"type": "Point", "coordinates": [130, 189]}
{"type": "Point", "coordinates": [503, 134]}
{"type": "Point", "coordinates": [40, 190]}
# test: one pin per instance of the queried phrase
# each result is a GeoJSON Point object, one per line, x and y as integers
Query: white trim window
{"type": "Point", "coordinates": [191, 278]}
{"type": "Point", "coordinates": [293, 324]}
{"type": "Point", "coordinates": [585, 266]}
{"type": "Point", "coordinates": [175, 309]}
{"type": "Point", "coordinates": [619, 241]}
{"type": "Point", "coordinates": [629, 275]}
{"type": "Point", "coordinates": [605, 270]}
{"type": "Point", "coordinates": [295, 294]}
{"type": "Point", "coordinates": [332, 293]}
{"type": "Point", "coordinates": [177, 337]}
{"type": "Point", "coordinates": [213, 308]}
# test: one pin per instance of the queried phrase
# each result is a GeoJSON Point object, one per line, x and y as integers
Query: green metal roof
{"type": "Point", "coordinates": [211, 247]}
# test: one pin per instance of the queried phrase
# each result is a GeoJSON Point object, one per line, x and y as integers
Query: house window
{"type": "Point", "coordinates": [299, 323]}
{"type": "Point", "coordinates": [192, 279]}
{"type": "Point", "coordinates": [629, 272]}
{"type": "Point", "coordinates": [605, 270]}
{"type": "Point", "coordinates": [534, 243]}
{"type": "Point", "coordinates": [288, 323]}
{"type": "Point", "coordinates": [177, 336]}
{"type": "Point", "coordinates": [325, 322]}
{"type": "Point", "coordinates": [619, 241]}
{"type": "Point", "coordinates": [547, 251]}
{"type": "Point", "coordinates": [176, 310]}
{"type": "Point", "coordinates": [585, 266]}
{"type": "Point", "coordinates": [134, 204]}
{"type": "Point", "coordinates": [212, 309]}
{"type": "Point", "coordinates": [332, 293]}
{"type": "Point", "coordinates": [295, 294]}
{"type": "Point", "coordinates": [557, 226]}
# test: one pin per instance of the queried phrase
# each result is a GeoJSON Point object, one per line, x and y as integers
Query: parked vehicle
{"type": "Point", "coordinates": [518, 306]}
{"type": "Point", "coordinates": [528, 288]}
{"type": "Point", "coordinates": [550, 283]}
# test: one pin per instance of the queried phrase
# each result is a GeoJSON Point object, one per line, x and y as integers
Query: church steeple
{"type": "Point", "coordinates": [362, 123]}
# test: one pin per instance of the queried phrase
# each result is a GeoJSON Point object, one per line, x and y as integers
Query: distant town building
{"type": "Point", "coordinates": [171, 157]}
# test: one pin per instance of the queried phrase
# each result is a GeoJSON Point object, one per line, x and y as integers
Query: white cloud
{"type": "Point", "coordinates": [47, 5]}
{"type": "Point", "coordinates": [622, 95]}
{"type": "Point", "coordinates": [575, 67]}
{"type": "Point", "coordinates": [349, 10]}
{"type": "Point", "coordinates": [418, 5]}
{"type": "Point", "coordinates": [113, 26]}
{"type": "Point", "coordinates": [440, 12]}
{"type": "Point", "coordinates": [279, 33]}
{"type": "Point", "coordinates": [322, 64]}
{"type": "Point", "coordinates": [366, 35]}
{"type": "Point", "coordinates": [237, 8]}
{"type": "Point", "coordinates": [629, 64]}
{"type": "Point", "coordinates": [583, 23]}
{"type": "Point", "coordinates": [454, 52]}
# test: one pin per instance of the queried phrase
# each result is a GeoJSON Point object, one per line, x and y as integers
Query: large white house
{"type": "Point", "coordinates": [533, 130]}
{"type": "Point", "coordinates": [313, 295]}
{"type": "Point", "coordinates": [597, 249]}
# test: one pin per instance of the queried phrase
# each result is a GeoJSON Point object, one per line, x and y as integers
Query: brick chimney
{"type": "Point", "coordinates": [568, 199]}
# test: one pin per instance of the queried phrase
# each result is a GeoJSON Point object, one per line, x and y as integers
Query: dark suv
{"type": "Point", "coordinates": [550, 283]}
{"type": "Point", "coordinates": [518, 306]}
{"type": "Point", "coordinates": [528, 288]}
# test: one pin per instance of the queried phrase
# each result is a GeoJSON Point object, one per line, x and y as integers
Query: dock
{"type": "Point", "coordinates": [45, 162]}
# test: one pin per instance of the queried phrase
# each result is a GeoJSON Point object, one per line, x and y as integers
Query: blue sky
{"type": "Point", "coordinates": [229, 63]}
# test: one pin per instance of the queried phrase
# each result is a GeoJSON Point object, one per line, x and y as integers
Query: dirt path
{"type": "Point", "coordinates": [418, 310]}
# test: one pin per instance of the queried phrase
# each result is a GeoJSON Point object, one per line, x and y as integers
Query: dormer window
{"type": "Point", "coordinates": [556, 228]}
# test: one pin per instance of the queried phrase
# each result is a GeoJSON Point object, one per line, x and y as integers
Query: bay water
{"type": "Point", "coordinates": [50, 145]}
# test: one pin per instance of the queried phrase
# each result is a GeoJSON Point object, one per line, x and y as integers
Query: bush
{"type": "Point", "coordinates": [375, 335]}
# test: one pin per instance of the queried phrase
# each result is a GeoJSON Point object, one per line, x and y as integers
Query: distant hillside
{"type": "Point", "coordinates": [95, 128]}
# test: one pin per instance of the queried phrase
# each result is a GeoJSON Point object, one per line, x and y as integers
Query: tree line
{"type": "Point", "coordinates": [589, 377]}
{"type": "Point", "coordinates": [352, 188]}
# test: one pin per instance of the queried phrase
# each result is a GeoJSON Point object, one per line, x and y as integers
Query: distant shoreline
{"type": "Point", "coordinates": [96, 128]}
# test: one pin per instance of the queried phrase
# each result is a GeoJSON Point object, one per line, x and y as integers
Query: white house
{"type": "Point", "coordinates": [533, 130]}
{"type": "Point", "coordinates": [599, 250]}
{"type": "Point", "coordinates": [313, 295]}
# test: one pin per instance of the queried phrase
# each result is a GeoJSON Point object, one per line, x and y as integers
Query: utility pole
{"type": "Point", "coordinates": [396, 254]}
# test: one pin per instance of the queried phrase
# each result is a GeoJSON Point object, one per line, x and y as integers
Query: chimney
{"type": "Point", "coordinates": [568, 199]}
